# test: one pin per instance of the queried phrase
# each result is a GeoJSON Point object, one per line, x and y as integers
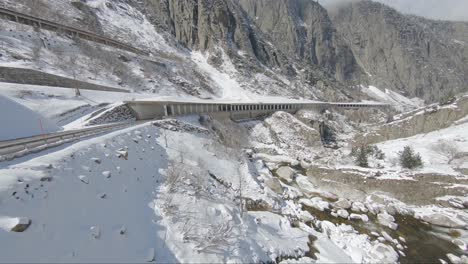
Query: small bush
{"type": "Point", "coordinates": [369, 151]}
{"type": "Point", "coordinates": [409, 159]}
{"type": "Point", "coordinates": [360, 154]}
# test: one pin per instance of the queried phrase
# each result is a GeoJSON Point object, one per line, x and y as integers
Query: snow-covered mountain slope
{"type": "Point", "coordinates": [437, 158]}
{"type": "Point", "coordinates": [105, 200]}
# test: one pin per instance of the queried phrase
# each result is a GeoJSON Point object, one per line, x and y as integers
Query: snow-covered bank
{"type": "Point", "coordinates": [107, 200]}
{"type": "Point", "coordinates": [18, 121]}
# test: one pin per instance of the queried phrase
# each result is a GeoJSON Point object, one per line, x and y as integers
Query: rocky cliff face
{"type": "Point", "coordinates": [417, 56]}
{"type": "Point", "coordinates": [286, 36]}
{"type": "Point", "coordinates": [363, 42]}
{"type": "Point", "coordinates": [303, 30]}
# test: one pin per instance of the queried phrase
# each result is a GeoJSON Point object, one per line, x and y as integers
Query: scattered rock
{"type": "Point", "coordinates": [460, 243]}
{"type": "Point", "coordinates": [22, 224]}
{"type": "Point", "coordinates": [95, 232]}
{"type": "Point", "coordinates": [305, 165]}
{"type": "Point", "coordinates": [465, 204]}
{"type": "Point", "coordinates": [122, 154]}
{"type": "Point", "coordinates": [385, 219]}
{"type": "Point", "coordinates": [106, 174]}
{"type": "Point", "coordinates": [46, 178]}
{"type": "Point", "coordinates": [328, 195]}
{"type": "Point", "coordinates": [271, 166]}
{"type": "Point", "coordinates": [381, 253]}
{"type": "Point", "coordinates": [342, 203]}
{"type": "Point", "coordinates": [84, 179]}
{"type": "Point", "coordinates": [102, 195]}
{"type": "Point", "coordinates": [274, 184]}
{"type": "Point", "coordinates": [306, 216]}
{"type": "Point", "coordinates": [305, 185]}
{"type": "Point", "coordinates": [443, 220]}
{"type": "Point", "coordinates": [285, 173]}
{"type": "Point", "coordinates": [359, 207]}
{"type": "Point", "coordinates": [342, 213]}
{"type": "Point", "coordinates": [362, 217]}
{"type": "Point", "coordinates": [453, 259]}
{"type": "Point", "coordinates": [122, 230]}
{"type": "Point", "coordinates": [391, 210]}
{"type": "Point", "coordinates": [387, 237]}
{"type": "Point", "coordinates": [346, 228]}
{"type": "Point", "coordinates": [150, 256]}
{"type": "Point", "coordinates": [316, 203]}
{"type": "Point", "coordinates": [456, 204]}
{"type": "Point", "coordinates": [96, 160]}
{"type": "Point", "coordinates": [393, 226]}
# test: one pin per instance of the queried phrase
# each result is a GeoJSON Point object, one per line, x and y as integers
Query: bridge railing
{"type": "Point", "coordinates": [10, 149]}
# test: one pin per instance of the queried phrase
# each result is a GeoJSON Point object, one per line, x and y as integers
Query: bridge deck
{"type": "Point", "coordinates": [161, 108]}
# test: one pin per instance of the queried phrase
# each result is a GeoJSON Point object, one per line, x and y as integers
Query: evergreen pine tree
{"type": "Point", "coordinates": [409, 159]}
{"type": "Point", "coordinates": [361, 158]}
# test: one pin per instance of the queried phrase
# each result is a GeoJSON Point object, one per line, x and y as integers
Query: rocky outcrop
{"type": "Point", "coordinates": [303, 30]}
{"type": "Point", "coordinates": [22, 224]}
{"type": "Point", "coordinates": [292, 37]}
{"type": "Point", "coordinates": [417, 56]}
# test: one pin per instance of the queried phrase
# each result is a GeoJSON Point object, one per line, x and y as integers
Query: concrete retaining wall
{"type": "Point", "coordinates": [33, 77]}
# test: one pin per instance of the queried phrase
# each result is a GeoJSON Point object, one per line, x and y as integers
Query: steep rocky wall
{"type": "Point", "coordinates": [285, 36]}
{"type": "Point", "coordinates": [404, 53]}
{"type": "Point", "coordinates": [303, 30]}
{"type": "Point", "coordinates": [425, 121]}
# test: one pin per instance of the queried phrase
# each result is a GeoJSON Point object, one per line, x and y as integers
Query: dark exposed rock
{"type": "Point", "coordinates": [417, 56]}
{"type": "Point", "coordinates": [22, 225]}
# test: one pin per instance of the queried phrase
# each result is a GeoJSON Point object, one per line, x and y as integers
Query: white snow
{"type": "Point", "coordinates": [18, 121]}
{"type": "Point", "coordinates": [395, 99]}
{"type": "Point", "coordinates": [230, 87]}
{"type": "Point", "coordinates": [434, 161]}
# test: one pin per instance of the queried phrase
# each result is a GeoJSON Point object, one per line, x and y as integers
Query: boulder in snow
{"type": "Point", "coordinates": [106, 174]}
{"type": "Point", "coordinates": [305, 185]}
{"type": "Point", "coordinates": [95, 232]}
{"type": "Point", "coordinates": [385, 219]}
{"type": "Point", "coordinates": [275, 185]}
{"type": "Point", "coordinates": [285, 173]}
{"type": "Point", "coordinates": [96, 160]}
{"type": "Point", "coordinates": [361, 217]}
{"type": "Point", "coordinates": [316, 203]}
{"type": "Point", "coordinates": [359, 207]}
{"type": "Point", "coordinates": [460, 243]}
{"type": "Point", "coordinates": [84, 179]}
{"type": "Point", "coordinates": [22, 224]}
{"type": "Point", "coordinates": [342, 204]}
{"type": "Point", "coordinates": [306, 216]}
{"type": "Point", "coordinates": [456, 204]}
{"type": "Point", "coordinates": [381, 253]}
{"type": "Point", "coordinates": [305, 165]}
{"type": "Point", "coordinates": [342, 213]}
{"type": "Point", "coordinates": [443, 220]}
{"type": "Point", "coordinates": [122, 230]}
{"type": "Point", "coordinates": [150, 255]}
{"type": "Point", "coordinates": [122, 154]}
{"type": "Point", "coordinates": [454, 259]}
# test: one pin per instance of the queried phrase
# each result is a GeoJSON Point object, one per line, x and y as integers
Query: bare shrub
{"type": "Point", "coordinates": [211, 237]}
{"type": "Point", "coordinates": [174, 175]}
{"type": "Point", "coordinates": [448, 150]}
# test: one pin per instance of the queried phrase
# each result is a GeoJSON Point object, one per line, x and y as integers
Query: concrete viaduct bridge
{"type": "Point", "coordinates": [157, 109]}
